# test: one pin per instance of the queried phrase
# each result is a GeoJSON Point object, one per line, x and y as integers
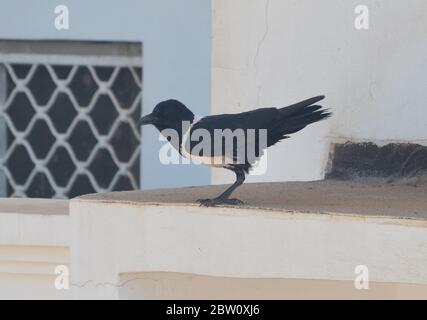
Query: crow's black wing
{"type": "Point", "coordinates": [275, 123]}
{"type": "Point", "coordinates": [255, 119]}
{"type": "Point", "coordinates": [224, 132]}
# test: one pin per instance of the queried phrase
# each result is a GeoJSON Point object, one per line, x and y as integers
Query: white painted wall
{"type": "Point", "coordinates": [133, 250]}
{"type": "Point", "coordinates": [277, 52]}
{"type": "Point", "coordinates": [34, 240]}
{"type": "Point", "coordinates": [127, 245]}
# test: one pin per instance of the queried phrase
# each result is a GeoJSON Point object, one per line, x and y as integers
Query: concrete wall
{"type": "Point", "coordinates": [118, 249]}
{"type": "Point", "coordinates": [34, 240]}
{"type": "Point", "coordinates": [180, 249]}
{"type": "Point", "coordinates": [177, 56]}
{"type": "Point", "coordinates": [276, 52]}
{"type": "Point", "coordinates": [27, 272]}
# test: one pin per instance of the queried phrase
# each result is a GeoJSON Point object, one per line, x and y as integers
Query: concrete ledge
{"type": "Point", "coordinates": [34, 206]}
{"type": "Point", "coordinates": [317, 231]}
{"type": "Point", "coordinates": [399, 200]}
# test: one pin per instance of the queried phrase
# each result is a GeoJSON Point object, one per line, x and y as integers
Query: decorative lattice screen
{"type": "Point", "coordinates": [68, 123]}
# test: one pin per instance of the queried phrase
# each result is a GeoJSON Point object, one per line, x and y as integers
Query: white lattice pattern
{"type": "Point", "coordinates": [69, 125]}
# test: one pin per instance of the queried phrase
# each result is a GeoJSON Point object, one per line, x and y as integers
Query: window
{"type": "Point", "coordinates": [68, 118]}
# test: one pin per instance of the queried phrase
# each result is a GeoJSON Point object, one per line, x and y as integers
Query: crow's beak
{"type": "Point", "coordinates": [148, 119]}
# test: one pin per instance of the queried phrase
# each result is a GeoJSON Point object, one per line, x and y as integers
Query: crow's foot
{"type": "Point", "coordinates": [215, 202]}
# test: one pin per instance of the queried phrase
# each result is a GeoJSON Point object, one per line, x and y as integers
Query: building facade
{"type": "Point", "coordinates": [221, 56]}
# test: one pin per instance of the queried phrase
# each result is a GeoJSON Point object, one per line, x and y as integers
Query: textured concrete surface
{"type": "Point", "coordinates": [405, 200]}
{"type": "Point", "coordinates": [34, 206]}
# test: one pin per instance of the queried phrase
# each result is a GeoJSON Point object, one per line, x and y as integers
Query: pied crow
{"type": "Point", "coordinates": [275, 123]}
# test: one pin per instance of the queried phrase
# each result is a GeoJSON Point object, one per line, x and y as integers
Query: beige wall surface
{"type": "Point", "coordinates": [164, 285]}
{"type": "Point", "coordinates": [28, 272]}
{"type": "Point", "coordinates": [277, 52]}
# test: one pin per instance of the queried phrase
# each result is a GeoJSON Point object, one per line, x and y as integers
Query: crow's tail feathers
{"type": "Point", "coordinates": [296, 117]}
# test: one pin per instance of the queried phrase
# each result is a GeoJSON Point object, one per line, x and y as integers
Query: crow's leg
{"type": "Point", "coordinates": [223, 198]}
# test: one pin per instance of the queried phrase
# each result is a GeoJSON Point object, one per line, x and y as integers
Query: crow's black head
{"type": "Point", "coordinates": [168, 114]}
